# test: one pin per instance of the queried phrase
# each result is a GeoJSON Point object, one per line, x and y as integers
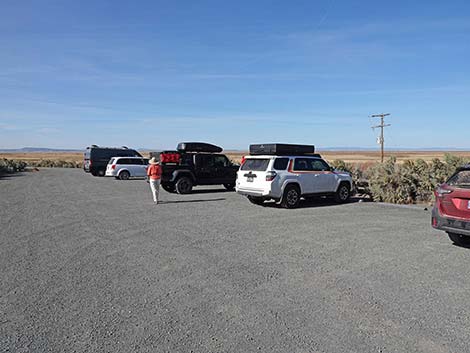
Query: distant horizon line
{"type": "Point", "coordinates": [325, 149]}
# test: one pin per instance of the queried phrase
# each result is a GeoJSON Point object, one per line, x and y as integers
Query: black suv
{"type": "Point", "coordinates": [196, 163]}
{"type": "Point", "coordinates": [95, 158]}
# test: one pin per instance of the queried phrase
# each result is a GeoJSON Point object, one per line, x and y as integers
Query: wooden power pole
{"type": "Point", "coordinates": [381, 138]}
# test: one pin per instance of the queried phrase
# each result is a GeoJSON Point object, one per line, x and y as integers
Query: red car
{"type": "Point", "coordinates": [451, 212]}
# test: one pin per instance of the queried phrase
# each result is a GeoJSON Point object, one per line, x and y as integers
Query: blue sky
{"type": "Point", "coordinates": [153, 73]}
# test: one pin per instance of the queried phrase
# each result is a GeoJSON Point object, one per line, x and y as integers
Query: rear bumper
{"type": "Point", "coordinates": [255, 192]}
{"type": "Point", "coordinates": [450, 225]}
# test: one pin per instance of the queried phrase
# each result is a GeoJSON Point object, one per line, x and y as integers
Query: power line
{"type": "Point", "coordinates": [381, 139]}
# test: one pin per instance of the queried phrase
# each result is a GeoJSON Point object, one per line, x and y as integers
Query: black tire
{"type": "Point", "coordinates": [124, 175]}
{"type": "Point", "coordinates": [229, 187]}
{"type": "Point", "coordinates": [255, 200]}
{"type": "Point", "coordinates": [168, 187]}
{"type": "Point", "coordinates": [458, 239]}
{"type": "Point", "coordinates": [343, 193]}
{"type": "Point", "coordinates": [94, 173]}
{"type": "Point", "coordinates": [101, 172]}
{"type": "Point", "coordinates": [184, 185]}
{"type": "Point", "coordinates": [291, 197]}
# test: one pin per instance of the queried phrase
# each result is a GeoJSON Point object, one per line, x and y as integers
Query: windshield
{"type": "Point", "coordinates": [258, 165]}
{"type": "Point", "coordinates": [460, 179]}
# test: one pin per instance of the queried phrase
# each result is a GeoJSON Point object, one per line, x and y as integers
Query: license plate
{"type": "Point", "coordinates": [250, 179]}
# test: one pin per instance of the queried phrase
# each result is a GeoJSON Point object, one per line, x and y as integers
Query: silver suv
{"type": "Point", "coordinates": [127, 167]}
{"type": "Point", "coordinates": [286, 179]}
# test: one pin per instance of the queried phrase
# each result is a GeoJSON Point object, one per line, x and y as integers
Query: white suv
{"type": "Point", "coordinates": [286, 179]}
{"type": "Point", "coordinates": [127, 167]}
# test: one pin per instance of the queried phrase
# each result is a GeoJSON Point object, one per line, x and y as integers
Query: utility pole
{"type": "Point", "coordinates": [381, 138]}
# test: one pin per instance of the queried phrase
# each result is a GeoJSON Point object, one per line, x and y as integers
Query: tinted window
{"type": "Point", "coordinates": [461, 179]}
{"type": "Point", "coordinates": [258, 165]}
{"type": "Point", "coordinates": [136, 161]}
{"type": "Point", "coordinates": [310, 164]}
{"type": "Point", "coordinates": [281, 163]}
{"type": "Point", "coordinates": [123, 161]}
{"type": "Point", "coordinates": [302, 164]}
{"type": "Point", "coordinates": [146, 161]}
{"type": "Point", "coordinates": [319, 165]}
{"type": "Point", "coordinates": [187, 159]}
{"type": "Point", "coordinates": [220, 161]}
{"type": "Point", "coordinates": [206, 160]}
{"type": "Point", "coordinates": [107, 153]}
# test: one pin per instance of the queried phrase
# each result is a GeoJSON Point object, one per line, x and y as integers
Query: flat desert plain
{"type": "Point", "coordinates": [347, 156]}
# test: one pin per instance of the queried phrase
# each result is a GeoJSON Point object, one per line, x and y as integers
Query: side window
{"type": "Point", "coordinates": [302, 164]}
{"type": "Point", "coordinates": [206, 161]}
{"type": "Point", "coordinates": [281, 163]}
{"type": "Point", "coordinates": [220, 161]}
{"type": "Point", "coordinates": [319, 165]}
{"type": "Point", "coordinates": [122, 161]}
{"type": "Point", "coordinates": [136, 161]}
{"type": "Point", "coordinates": [186, 159]}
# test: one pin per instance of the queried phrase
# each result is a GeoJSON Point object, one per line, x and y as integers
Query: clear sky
{"type": "Point", "coordinates": [153, 73]}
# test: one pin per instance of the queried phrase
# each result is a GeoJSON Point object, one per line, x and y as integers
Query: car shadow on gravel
{"type": "Point", "coordinates": [8, 176]}
{"type": "Point", "coordinates": [210, 191]}
{"type": "Point", "coordinates": [316, 202]}
{"type": "Point", "coordinates": [190, 201]}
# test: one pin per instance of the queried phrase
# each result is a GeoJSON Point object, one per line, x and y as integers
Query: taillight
{"type": "Point", "coordinates": [270, 176]}
{"type": "Point", "coordinates": [242, 161]}
{"type": "Point", "coordinates": [440, 191]}
{"type": "Point", "coordinates": [113, 166]}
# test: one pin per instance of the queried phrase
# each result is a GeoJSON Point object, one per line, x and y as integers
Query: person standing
{"type": "Point", "coordinates": [154, 173]}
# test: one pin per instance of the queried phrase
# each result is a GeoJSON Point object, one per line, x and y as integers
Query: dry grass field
{"type": "Point", "coordinates": [347, 156]}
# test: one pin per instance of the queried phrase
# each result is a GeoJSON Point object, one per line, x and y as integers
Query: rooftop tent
{"type": "Point", "coordinates": [281, 149]}
{"type": "Point", "coordinates": [198, 147]}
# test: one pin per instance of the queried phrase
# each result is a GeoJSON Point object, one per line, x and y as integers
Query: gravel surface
{"type": "Point", "coordinates": [91, 265]}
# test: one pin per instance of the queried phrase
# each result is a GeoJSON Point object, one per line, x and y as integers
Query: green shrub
{"type": "Point", "coordinates": [47, 163]}
{"type": "Point", "coordinates": [11, 166]}
{"type": "Point", "coordinates": [410, 182]}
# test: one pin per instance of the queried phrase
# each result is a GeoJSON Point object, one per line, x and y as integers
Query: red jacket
{"type": "Point", "coordinates": [154, 171]}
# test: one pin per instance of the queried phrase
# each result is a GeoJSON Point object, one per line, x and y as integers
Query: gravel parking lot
{"type": "Point", "coordinates": [91, 265]}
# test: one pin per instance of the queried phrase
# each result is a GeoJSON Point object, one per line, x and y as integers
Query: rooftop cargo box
{"type": "Point", "coordinates": [281, 149]}
{"type": "Point", "coordinates": [198, 147]}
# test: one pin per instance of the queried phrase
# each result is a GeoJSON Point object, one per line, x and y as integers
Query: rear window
{"type": "Point", "coordinates": [258, 165]}
{"type": "Point", "coordinates": [460, 179]}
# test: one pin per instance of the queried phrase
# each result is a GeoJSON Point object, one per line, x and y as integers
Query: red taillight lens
{"type": "Point", "coordinates": [113, 166]}
{"type": "Point", "coordinates": [270, 176]}
{"type": "Point", "coordinates": [242, 161]}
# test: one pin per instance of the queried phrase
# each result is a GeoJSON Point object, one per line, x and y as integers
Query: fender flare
{"type": "Point", "coordinates": [183, 172]}
{"type": "Point", "coordinates": [290, 182]}
{"type": "Point", "coordinates": [349, 182]}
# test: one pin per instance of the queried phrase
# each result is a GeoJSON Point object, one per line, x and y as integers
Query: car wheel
{"type": "Point", "coordinates": [94, 173]}
{"type": "Point", "coordinates": [291, 197]}
{"type": "Point", "coordinates": [343, 193]}
{"type": "Point", "coordinates": [184, 185]}
{"type": "Point", "coordinates": [124, 175]}
{"type": "Point", "coordinates": [229, 187]}
{"type": "Point", "coordinates": [101, 172]}
{"type": "Point", "coordinates": [168, 187]}
{"type": "Point", "coordinates": [256, 200]}
{"type": "Point", "coordinates": [459, 239]}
